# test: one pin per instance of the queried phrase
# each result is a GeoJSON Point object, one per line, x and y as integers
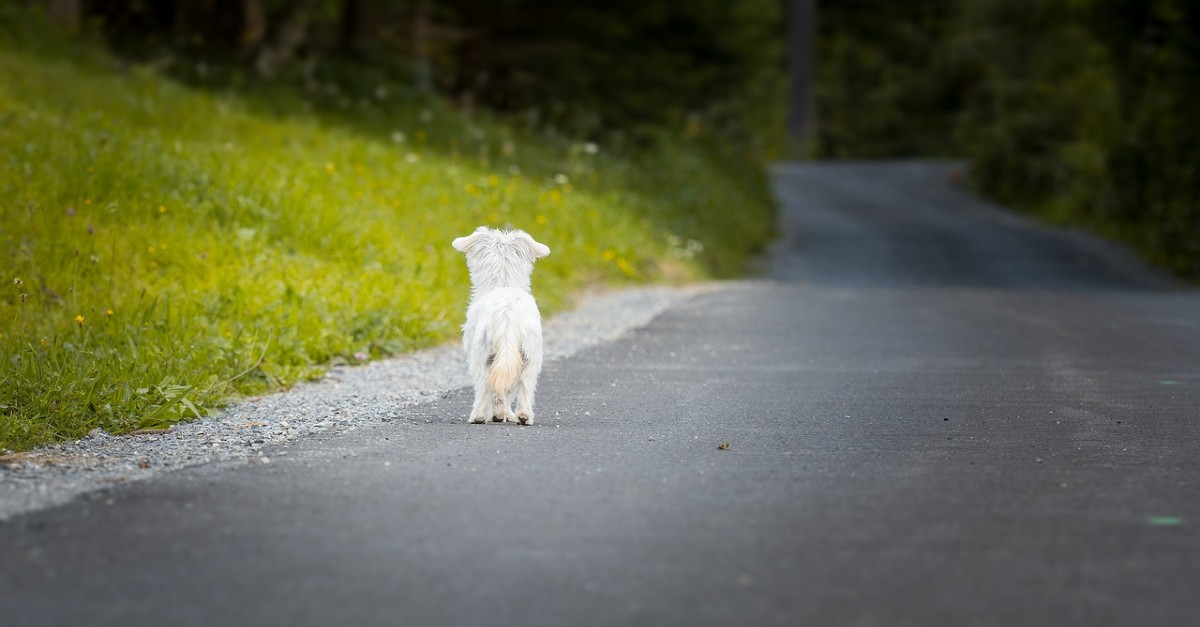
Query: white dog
{"type": "Point", "coordinates": [503, 332]}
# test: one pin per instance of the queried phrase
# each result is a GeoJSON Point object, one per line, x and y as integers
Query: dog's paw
{"type": "Point", "coordinates": [497, 418]}
{"type": "Point", "coordinates": [477, 420]}
{"type": "Point", "coordinates": [525, 419]}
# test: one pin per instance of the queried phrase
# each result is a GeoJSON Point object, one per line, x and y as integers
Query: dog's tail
{"type": "Point", "coordinates": [508, 362]}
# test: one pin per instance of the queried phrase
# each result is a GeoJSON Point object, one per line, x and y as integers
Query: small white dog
{"type": "Point", "coordinates": [503, 332]}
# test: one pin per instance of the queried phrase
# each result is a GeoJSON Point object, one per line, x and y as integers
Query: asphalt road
{"type": "Point", "coordinates": [937, 414]}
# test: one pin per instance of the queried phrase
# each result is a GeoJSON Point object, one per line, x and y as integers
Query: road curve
{"type": "Point", "coordinates": [935, 413]}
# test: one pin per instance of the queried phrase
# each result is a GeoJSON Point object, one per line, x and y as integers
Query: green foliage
{"type": "Point", "coordinates": [1091, 119]}
{"type": "Point", "coordinates": [587, 66]}
{"type": "Point", "coordinates": [1079, 111]}
{"type": "Point", "coordinates": [628, 64]}
{"type": "Point", "coordinates": [166, 247]}
{"type": "Point", "coordinates": [885, 87]}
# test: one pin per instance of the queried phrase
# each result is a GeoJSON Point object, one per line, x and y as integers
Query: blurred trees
{"type": "Point", "coordinates": [66, 13]}
{"type": "Point", "coordinates": [629, 61]}
{"type": "Point", "coordinates": [1092, 118]}
{"type": "Point", "coordinates": [590, 64]}
{"type": "Point", "coordinates": [1081, 111]}
{"type": "Point", "coordinates": [887, 82]}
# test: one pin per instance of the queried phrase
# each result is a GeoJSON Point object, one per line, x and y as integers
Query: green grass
{"type": "Point", "coordinates": [167, 248]}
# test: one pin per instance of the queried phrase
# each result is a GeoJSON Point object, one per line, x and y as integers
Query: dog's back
{"type": "Point", "coordinates": [507, 330]}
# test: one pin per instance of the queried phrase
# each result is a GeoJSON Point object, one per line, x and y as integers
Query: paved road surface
{"type": "Point", "coordinates": [936, 415]}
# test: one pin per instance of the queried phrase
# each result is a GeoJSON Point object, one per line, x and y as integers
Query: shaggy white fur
{"type": "Point", "coordinates": [503, 332]}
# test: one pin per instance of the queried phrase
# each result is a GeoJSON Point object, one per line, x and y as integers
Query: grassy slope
{"type": "Point", "coordinates": [166, 248]}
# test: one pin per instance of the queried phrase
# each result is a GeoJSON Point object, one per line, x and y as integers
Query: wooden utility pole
{"type": "Point", "coordinates": [802, 67]}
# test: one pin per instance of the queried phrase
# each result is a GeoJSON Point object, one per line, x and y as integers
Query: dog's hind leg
{"type": "Point", "coordinates": [525, 390]}
{"type": "Point", "coordinates": [482, 407]}
{"type": "Point", "coordinates": [478, 360]}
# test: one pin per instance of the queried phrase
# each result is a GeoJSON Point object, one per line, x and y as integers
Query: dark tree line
{"type": "Point", "coordinates": [614, 62]}
{"type": "Point", "coordinates": [1082, 111]}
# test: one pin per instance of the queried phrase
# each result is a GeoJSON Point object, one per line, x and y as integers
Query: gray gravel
{"type": "Point", "coordinates": [346, 398]}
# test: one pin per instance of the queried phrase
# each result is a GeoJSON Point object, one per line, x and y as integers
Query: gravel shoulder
{"type": "Point", "coordinates": [348, 397]}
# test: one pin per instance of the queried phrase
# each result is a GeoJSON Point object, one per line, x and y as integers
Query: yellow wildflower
{"type": "Point", "coordinates": [108, 312]}
{"type": "Point", "coordinates": [540, 219]}
{"type": "Point", "coordinates": [626, 268]}
{"type": "Point", "coordinates": [79, 320]}
{"type": "Point", "coordinates": [162, 209]}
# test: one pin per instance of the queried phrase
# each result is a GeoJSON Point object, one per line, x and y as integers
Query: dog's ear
{"type": "Point", "coordinates": [464, 244]}
{"type": "Point", "coordinates": [536, 249]}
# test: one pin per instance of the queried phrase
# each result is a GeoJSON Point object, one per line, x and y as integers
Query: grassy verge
{"type": "Point", "coordinates": [166, 248]}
